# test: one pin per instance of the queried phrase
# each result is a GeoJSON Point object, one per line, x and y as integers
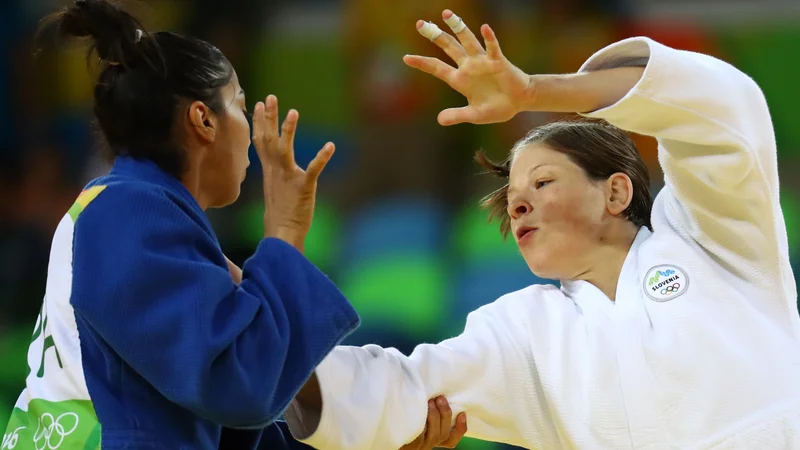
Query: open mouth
{"type": "Point", "coordinates": [523, 232]}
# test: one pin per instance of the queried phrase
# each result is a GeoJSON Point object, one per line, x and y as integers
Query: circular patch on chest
{"type": "Point", "coordinates": [664, 283]}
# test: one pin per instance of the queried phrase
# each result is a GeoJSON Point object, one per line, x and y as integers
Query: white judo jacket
{"type": "Point", "coordinates": [702, 347]}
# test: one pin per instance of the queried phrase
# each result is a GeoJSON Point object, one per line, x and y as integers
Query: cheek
{"type": "Point", "coordinates": [242, 132]}
{"type": "Point", "coordinates": [238, 139]}
{"type": "Point", "coordinates": [566, 211]}
{"type": "Point", "coordinates": [231, 156]}
{"type": "Point", "coordinates": [569, 222]}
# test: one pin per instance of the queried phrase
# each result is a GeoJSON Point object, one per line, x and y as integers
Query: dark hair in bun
{"type": "Point", "coordinates": [144, 79]}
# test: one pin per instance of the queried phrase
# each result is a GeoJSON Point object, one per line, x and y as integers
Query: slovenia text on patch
{"type": "Point", "coordinates": [664, 283]}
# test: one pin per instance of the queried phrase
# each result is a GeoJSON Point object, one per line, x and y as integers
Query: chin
{"type": "Point", "coordinates": [227, 200]}
{"type": "Point", "coordinates": [543, 264]}
{"type": "Point", "coordinates": [536, 263]}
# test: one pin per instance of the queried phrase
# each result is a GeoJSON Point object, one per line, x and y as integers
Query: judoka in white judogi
{"type": "Point", "coordinates": [701, 348]}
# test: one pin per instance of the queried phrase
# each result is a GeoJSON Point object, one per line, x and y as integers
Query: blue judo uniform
{"type": "Point", "coordinates": [147, 343]}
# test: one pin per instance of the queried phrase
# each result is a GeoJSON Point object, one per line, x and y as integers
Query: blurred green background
{"type": "Point", "coordinates": [398, 226]}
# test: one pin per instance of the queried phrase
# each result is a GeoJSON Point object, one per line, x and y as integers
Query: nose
{"type": "Point", "coordinates": [518, 208]}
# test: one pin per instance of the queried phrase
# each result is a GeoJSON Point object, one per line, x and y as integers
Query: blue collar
{"type": "Point", "coordinates": [146, 170]}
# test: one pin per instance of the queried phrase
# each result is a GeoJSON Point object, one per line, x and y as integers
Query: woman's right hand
{"type": "Point", "coordinates": [289, 191]}
{"type": "Point", "coordinates": [495, 89]}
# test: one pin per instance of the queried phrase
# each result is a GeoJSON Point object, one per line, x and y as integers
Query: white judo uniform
{"type": "Point", "coordinates": [701, 348]}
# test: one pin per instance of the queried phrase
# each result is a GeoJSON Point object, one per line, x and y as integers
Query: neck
{"type": "Point", "coordinates": [191, 179]}
{"type": "Point", "coordinates": [608, 258]}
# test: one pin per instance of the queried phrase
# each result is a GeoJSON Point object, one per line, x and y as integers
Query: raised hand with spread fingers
{"type": "Point", "coordinates": [494, 88]}
{"type": "Point", "coordinates": [289, 190]}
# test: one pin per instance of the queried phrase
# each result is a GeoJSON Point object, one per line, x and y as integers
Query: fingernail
{"type": "Point", "coordinates": [430, 404]}
{"type": "Point", "coordinates": [462, 418]}
{"type": "Point", "coordinates": [441, 401]}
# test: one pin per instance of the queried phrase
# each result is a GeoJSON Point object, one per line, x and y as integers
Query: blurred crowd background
{"type": "Point", "coordinates": [398, 225]}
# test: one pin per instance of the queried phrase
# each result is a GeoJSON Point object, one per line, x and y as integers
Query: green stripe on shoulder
{"type": "Point", "coordinates": [83, 201]}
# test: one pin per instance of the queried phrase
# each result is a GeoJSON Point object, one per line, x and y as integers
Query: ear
{"type": "Point", "coordinates": [619, 193]}
{"type": "Point", "coordinates": [202, 122]}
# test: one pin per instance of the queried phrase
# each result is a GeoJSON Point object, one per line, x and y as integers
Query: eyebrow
{"type": "Point", "coordinates": [538, 166]}
{"type": "Point", "coordinates": [512, 190]}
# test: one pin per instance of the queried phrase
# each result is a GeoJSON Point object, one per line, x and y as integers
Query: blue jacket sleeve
{"type": "Point", "coordinates": [150, 279]}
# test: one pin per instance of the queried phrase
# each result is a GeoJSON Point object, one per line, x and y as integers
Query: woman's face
{"type": "Point", "coordinates": [228, 160]}
{"type": "Point", "coordinates": [557, 213]}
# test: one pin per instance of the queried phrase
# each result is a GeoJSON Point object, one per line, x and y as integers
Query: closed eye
{"type": "Point", "coordinates": [543, 183]}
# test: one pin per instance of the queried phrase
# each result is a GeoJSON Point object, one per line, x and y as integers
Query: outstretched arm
{"type": "Point", "coordinates": [716, 142]}
{"type": "Point", "coordinates": [373, 397]}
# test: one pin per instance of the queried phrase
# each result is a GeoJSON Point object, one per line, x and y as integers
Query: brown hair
{"type": "Point", "coordinates": [598, 147]}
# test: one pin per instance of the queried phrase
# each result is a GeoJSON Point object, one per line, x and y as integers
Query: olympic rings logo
{"type": "Point", "coordinates": [50, 432]}
{"type": "Point", "coordinates": [669, 290]}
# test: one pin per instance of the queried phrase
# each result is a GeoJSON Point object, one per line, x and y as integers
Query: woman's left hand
{"type": "Point", "coordinates": [438, 433]}
{"type": "Point", "coordinates": [289, 191]}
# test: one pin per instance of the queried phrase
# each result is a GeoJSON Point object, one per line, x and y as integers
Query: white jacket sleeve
{"type": "Point", "coordinates": [376, 398]}
{"type": "Point", "coordinates": [717, 149]}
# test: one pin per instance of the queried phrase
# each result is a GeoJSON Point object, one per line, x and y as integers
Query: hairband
{"type": "Point", "coordinates": [139, 34]}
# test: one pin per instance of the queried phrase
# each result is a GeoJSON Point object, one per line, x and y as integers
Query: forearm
{"type": "Point", "coordinates": [291, 237]}
{"type": "Point", "coordinates": [580, 92]}
{"type": "Point", "coordinates": [310, 396]}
